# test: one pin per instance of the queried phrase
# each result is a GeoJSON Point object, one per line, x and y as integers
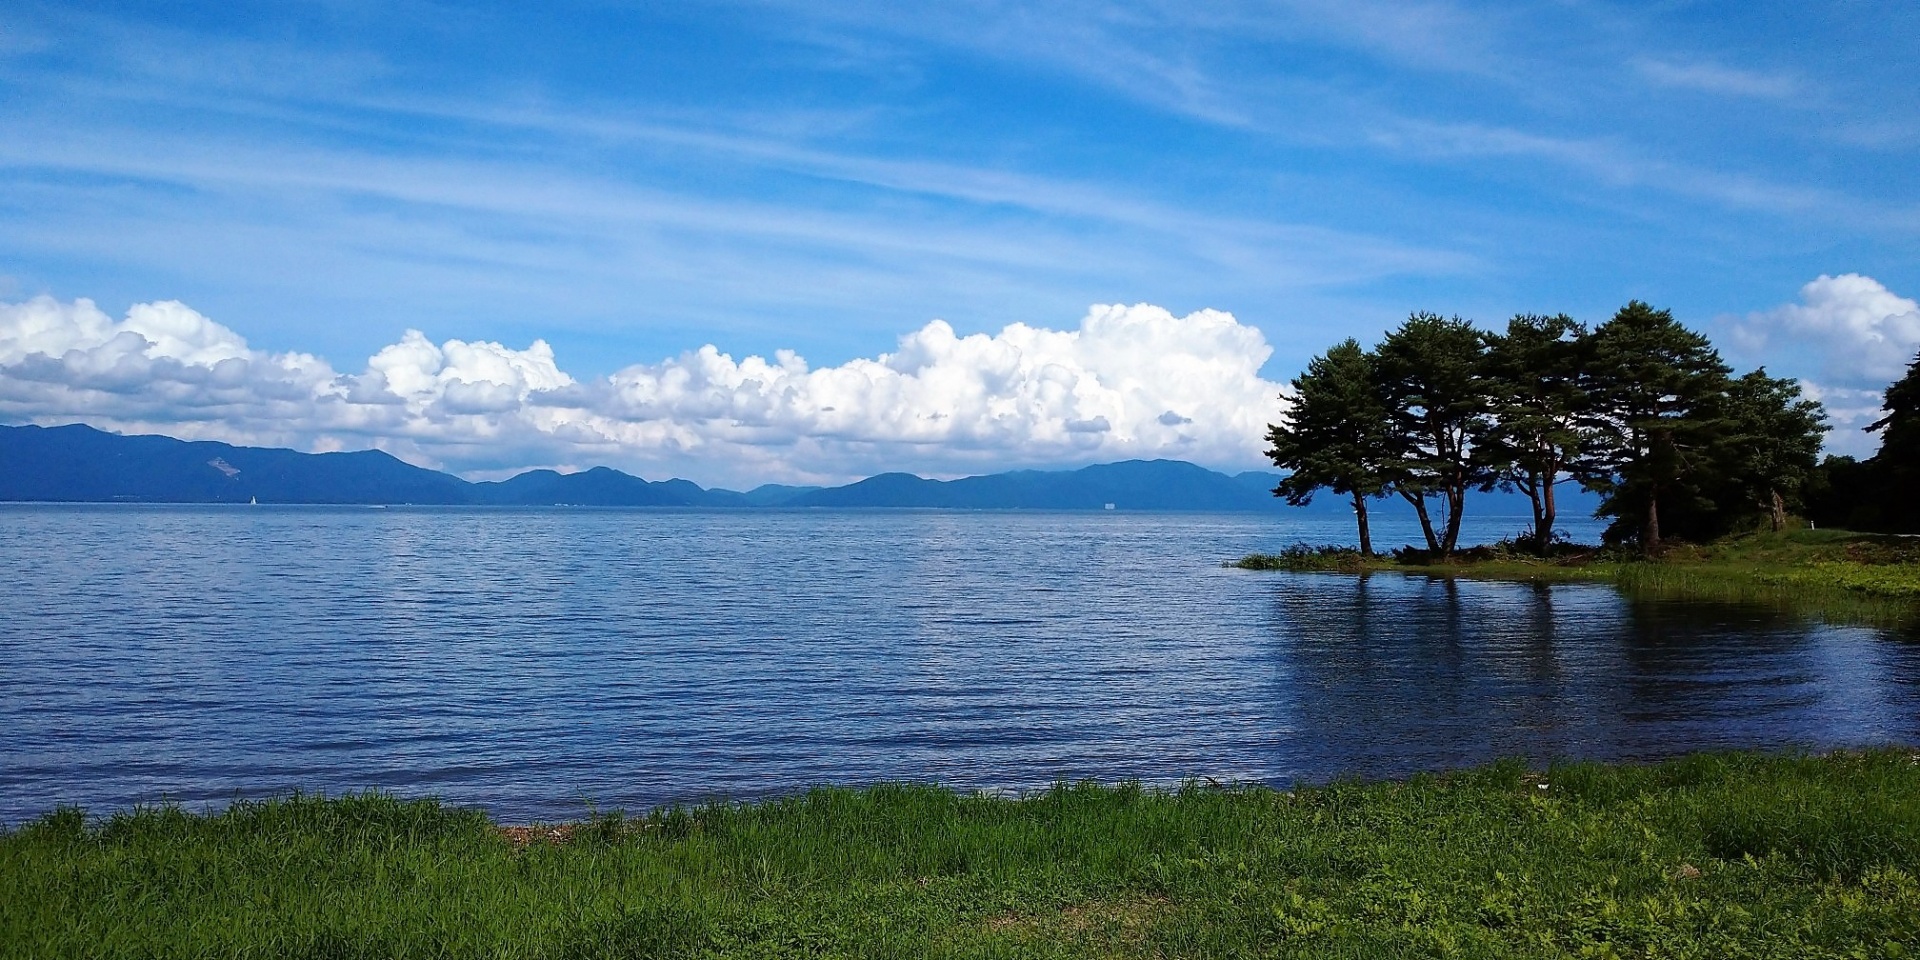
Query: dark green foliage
{"type": "Point", "coordinates": [1768, 449]}
{"type": "Point", "coordinates": [1719, 855]}
{"type": "Point", "coordinates": [1306, 556]}
{"type": "Point", "coordinates": [1336, 434]}
{"type": "Point", "coordinates": [1431, 372]}
{"type": "Point", "coordinates": [1533, 377]}
{"type": "Point", "coordinates": [1900, 441]}
{"type": "Point", "coordinates": [1650, 425]}
{"type": "Point", "coordinates": [1847, 493]}
{"type": "Point", "coordinates": [1893, 474]}
{"type": "Point", "coordinates": [1641, 410]}
{"type": "Point", "coordinates": [1877, 494]}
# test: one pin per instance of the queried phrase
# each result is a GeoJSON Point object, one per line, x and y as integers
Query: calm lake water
{"type": "Point", "coordinates": [534, 662]}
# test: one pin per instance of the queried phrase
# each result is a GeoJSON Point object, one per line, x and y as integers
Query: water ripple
{"type": "Point", "coordinates": [534, 661]}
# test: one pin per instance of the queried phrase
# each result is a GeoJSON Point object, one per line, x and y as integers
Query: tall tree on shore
{"type": "Point", "coordinates": [1336, 434]}
{"type": "Point", "coordinates": [1431, 376]}
{"type": "Point", "coordinates": [1653, 388]}
{"type": "Point", "coordinates": [1896, 468]}
{"type": "Point", "coordinates": [1770, 447]}
{"type": "Point", "coordinates": [1533, 375]}
{"type": "Point", "coordinates": [1877, 493]}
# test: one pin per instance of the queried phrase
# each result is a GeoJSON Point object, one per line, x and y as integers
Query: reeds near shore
{"type": "Point", "coordinates": [1722, 855]}
{"type": "Point", "coordinates": [1836, 593]}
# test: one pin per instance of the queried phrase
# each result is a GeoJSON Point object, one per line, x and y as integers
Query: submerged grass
{"type": "Point", "coordinates": [1834, 574]}
{"type": "Point", "coordinates": [1724, 855]}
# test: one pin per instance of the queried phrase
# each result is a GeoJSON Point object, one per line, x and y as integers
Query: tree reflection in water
{"type": "Point", "coordinates": [1387, 674]}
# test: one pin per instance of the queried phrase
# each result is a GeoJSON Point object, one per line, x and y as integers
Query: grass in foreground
{"type": "Point", "coordinates": [1835, 574]}
{"type": "Point", "coordinates": [1712, 856]}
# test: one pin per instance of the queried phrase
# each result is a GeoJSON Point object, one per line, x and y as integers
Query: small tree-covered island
{"type": "Point", "coordinates": [1712, 482]}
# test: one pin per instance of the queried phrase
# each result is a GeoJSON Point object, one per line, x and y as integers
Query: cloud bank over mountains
{"type": "Point", "coordinates": [1126, 382]}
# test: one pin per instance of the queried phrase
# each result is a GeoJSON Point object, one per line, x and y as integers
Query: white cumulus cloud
{"type": "Point", "coordinates": [1847, 338]}
{"type": "Point", "coordinates": [1847, 331]}
{"type": "Point", "coordinates": [1126, 382]}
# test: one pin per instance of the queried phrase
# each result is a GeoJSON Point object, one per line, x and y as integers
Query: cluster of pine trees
{"type": "Point", "coordinates": [1639, 409]}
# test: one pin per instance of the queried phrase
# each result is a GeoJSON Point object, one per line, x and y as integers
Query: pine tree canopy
{"type": "Point", "coordinates": [1334, 433]}
{"type": "Point", "coordinates": [1640, 409]}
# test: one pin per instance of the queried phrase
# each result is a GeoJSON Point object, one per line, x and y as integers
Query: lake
{"type": "Point", "coordinates": [538, 662]}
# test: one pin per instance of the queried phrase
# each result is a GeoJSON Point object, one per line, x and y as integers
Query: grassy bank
{"type": "Point", "coordinates": [1734, 855]}
{"type": "Point", "coordinates": [1842, 575]}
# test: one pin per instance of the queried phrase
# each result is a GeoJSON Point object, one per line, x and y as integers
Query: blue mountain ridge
{"type": "Point", "coordinates": [77, 463]}
{"type": "Point", "coordinates": [1131, 484]}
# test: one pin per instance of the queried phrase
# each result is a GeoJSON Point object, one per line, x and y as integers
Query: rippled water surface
{"type": "Point", "coordinates": [536, 661]}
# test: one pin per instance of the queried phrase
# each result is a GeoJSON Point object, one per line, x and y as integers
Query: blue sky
{"type": "Point", "coordinates": [629, 182]}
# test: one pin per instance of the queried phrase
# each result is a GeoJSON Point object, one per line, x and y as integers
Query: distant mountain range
{"type": "Point", "coordinates": [77, 463]}
{"type": "Point", "coordinates": [1139, 484]}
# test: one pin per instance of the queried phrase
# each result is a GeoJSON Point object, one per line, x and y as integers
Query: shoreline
{"type": "Point", "coordinates": [1847, 577]}
{"type": "Point", "coordinates": [1713, 854]}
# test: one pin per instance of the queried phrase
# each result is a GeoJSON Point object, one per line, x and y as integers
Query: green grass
{"type": "Point", "coordinates": [1307, 557]}
{"type": "Point", "coordinates": [1833, 574]}
{"type": "Point", "coordinates": [1711, 856]}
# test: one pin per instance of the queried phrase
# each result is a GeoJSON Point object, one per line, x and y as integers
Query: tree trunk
{"type": "Point", "coordinates": [1419, 502]}
{"type": "Point", "coordinates": [1543, 525]}
{"type": "Point", "coordinates": [1779, 512]}
{"type": "Point", "coordinates": [1456, 506]}
{"type": "Point", "coordinates": [1360, 515]}
{"type": "Point", "coordinates": [1536, 494]}
{"type": "Point", "coordinates": [1652, 537]}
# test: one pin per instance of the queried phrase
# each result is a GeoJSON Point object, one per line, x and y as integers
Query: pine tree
{"type": "Point", "coordinates": [1430, 372]}
{"type": "Point", "coordinates": [1533, 378]}
{"type": "Point", "coordinates": [1769, 449]}
{"type": "Point", "coordinates": [1653, 388]}
{"type": "Point", "coordinates": [1896, 468]}
{"type": "Point", "coordinates": [1335, 435]}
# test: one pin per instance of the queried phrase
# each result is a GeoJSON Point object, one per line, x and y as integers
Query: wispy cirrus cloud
{"type": "Point", "coordinates": [509, 224]}
{"type": "Point", "coordinates": [1186, 60]}
{"type": "Point", "coordinates": [1616, 164]}
{"type": "Point", "coordinates": [1709, 77]}
{"type": "Point", "coordinates": [489, 194]}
